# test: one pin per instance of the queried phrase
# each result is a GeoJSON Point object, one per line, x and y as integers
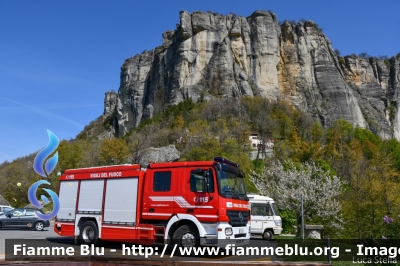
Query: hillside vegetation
{"type": "Point", "coordinates": [368, 165]}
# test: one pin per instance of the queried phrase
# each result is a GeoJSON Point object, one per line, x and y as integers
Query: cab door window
{"type": "Point", "coordinates": [162, 181]}
{"type": "Point", "coordinates": [201, 181]}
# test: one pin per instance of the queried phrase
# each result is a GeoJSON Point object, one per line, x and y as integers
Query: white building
{"type": "Point", "coordinates": [258, 149]}
{"type": "Point", "coordinates": [256, 142]}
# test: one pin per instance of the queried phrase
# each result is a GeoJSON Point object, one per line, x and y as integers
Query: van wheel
{"type": "Point", "coordinates": [267, 234]}
{"type": "Point", "coordinates": [186, 236]}
{"type": "Point", "coordinates": [89, 234]}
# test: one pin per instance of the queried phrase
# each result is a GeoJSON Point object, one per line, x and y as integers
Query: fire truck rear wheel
{"type": "Point", "coordinates": [186, 236]}
{"type": "Point", "coordinates": [89, 234]}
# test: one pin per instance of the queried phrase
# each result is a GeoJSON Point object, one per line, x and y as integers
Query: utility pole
{"type": "Point", "coordinates": [302, 208]}
{"type": "Point", "coordinates": [302, 216]}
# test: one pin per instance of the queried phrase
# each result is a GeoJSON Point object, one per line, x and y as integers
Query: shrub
{"type": "Point", "coordinates": [387, 63]}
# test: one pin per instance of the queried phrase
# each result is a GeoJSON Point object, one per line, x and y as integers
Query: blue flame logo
{"type": "Point", "coordinates": [44, 168]}
{"type": "Point", "coordinates": [44, 153]}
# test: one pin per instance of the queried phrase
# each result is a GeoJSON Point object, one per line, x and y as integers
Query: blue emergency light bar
{"type": "Point", "coordinates": [223, 160]}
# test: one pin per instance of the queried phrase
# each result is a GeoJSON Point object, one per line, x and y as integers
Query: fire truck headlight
{"type": "Point", "coordinates": [228, 231]}
{"type": "Point", "coordinates": [278, 223]}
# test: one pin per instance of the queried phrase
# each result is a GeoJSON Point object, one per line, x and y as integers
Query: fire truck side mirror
{"type": "Point", "coordinates": [207, 182]}
{"type": "Point", "coordinates": [206, 179]}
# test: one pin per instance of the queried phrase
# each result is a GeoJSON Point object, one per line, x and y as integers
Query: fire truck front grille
{"type": "Point", "coordinates": [237, 218]}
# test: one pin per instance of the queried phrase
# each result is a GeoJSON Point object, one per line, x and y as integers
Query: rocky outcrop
{"type": "Point", "coordinates": [394, 82]}
{"type": "Point", "coordinates": [211, 55]}
{"type": "Point", "coordinates": [369, 78]}
{"type": "Point", "coordinates": [156, 155]}
{"type": "Point", "coordinates": [110, 103]}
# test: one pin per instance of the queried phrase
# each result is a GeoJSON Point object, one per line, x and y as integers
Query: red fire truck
{"type": "Point", "coordinates": [186, 203]}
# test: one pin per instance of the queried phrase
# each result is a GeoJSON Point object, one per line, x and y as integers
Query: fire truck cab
{"type": "Point", "coordinates": [186, 203]}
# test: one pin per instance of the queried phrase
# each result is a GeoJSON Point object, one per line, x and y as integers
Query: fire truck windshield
{"type": "Point", "coordinates": [231, 184]}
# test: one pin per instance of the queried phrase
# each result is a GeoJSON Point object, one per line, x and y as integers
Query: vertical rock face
{"type": "Point", "coordinates": [264, 53]}
{"type": "Point", "coordinates": [394, 81]}
{"type": "Point", "coordinates": [369, 78]}
{"type": "Point", "coordinates": [309, 76]}
{"type": "Point", "coordinates": [211, 55]}
{"type": "Point", "coordinates": [110, 103]}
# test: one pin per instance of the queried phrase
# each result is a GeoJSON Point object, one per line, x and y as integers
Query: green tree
{"type": "Point", "coordinates": [70, 154]}
{"type": "Point", "coordinates": [113, 151]}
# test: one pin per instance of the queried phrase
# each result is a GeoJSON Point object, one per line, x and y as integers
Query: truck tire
{"type": "Point", "coordinates": [268, 234]}
{"type": "Point", "coordinates": [89, 234]}
{"type": "Point", "coordinates": [186, 236]}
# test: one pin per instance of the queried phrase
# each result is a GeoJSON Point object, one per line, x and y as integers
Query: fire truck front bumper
{"type": "Point", "coordinates": [226, 234]}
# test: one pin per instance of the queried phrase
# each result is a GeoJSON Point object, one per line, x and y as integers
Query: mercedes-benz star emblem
{"type": "Point", "coordinates": [241, 216]}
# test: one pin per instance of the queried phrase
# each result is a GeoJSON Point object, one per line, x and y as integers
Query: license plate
{"type": "Point", "coordinates": [241, 231]}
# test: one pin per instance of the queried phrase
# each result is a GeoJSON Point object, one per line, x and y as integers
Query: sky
{"type": "Point", "coordinates": [59, 58]}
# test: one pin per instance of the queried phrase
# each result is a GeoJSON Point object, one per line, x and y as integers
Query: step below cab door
{"type": "Point", "coordinates": [160, 188]}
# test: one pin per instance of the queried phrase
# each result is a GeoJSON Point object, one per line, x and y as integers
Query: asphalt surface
{"type": "Point", "coordinates": [113, 251]}
{"type": "Point", "coordinates": [11, 233]}
{"type": "Point", "coordinates": [48, 237]}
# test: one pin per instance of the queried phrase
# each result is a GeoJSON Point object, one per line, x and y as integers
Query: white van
{"type": "Point", "coordinates": [265, 219]}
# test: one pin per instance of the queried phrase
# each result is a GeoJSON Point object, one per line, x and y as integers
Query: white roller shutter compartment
{"type": "Point", "coordinates": [67, 196]}
{"type": "Point", "coordinates": [91, 196]}
{"type": "Point", "coordinates": [121, 199]}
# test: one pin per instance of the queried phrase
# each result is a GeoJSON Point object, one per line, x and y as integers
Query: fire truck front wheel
{"type": "Point", "coordinates": [186, 236]}
{"type": "Point", "coordinates": [89, 234]}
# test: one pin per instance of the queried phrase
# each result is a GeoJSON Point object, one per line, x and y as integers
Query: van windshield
{"type": "Point", "coordinates": [275, 209]}
{"type": "Point", "coordinates": [264, 209]}
{"type": "Point", "coordinates": [231, 185]}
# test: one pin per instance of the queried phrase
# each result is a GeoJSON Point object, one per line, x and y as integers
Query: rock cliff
{"type": "Point", "coordinates": [211, 55]}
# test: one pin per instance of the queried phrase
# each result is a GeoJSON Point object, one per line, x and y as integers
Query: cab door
{"type": "Point", "coordinates": [201, 193]}
{"type": "Point", "coordinates": [160, 188]}
{"type": "Point", "coordinates": [257, 217]}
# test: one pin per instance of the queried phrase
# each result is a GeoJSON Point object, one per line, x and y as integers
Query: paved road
{"type": "Point", "coordinates": [113, 250]}
{"type": "Point", "coordinates": [50, 237]}
{"type": "Point", "coordinates": [8, 233]}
